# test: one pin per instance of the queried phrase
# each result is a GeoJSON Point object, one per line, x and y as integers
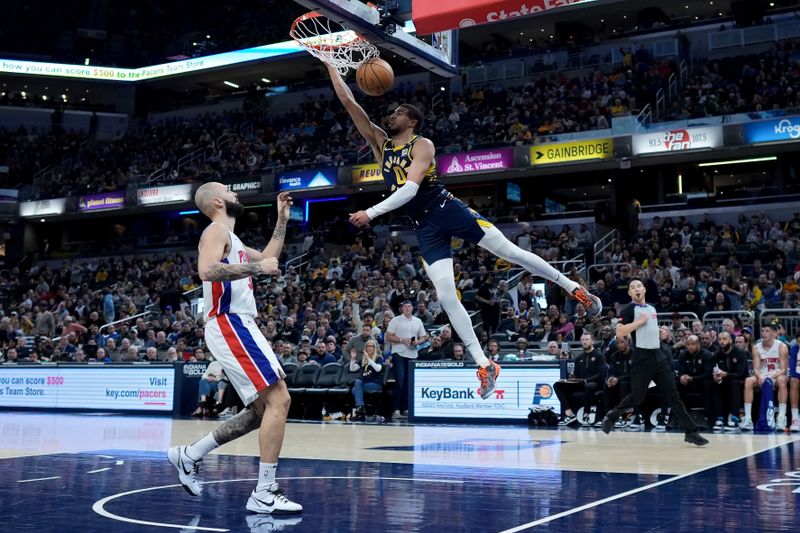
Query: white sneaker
{"type": "Point", "coordinates": [272, 501]}
{"type": "Point", "coordinates": [795, 427]}
{"type": "Point", "coordinates": [747, 424]}
{"type": "Point", "coordinates": [780, 423]}
{"type": "Point", "coordinates": [396, 415]}
{"type": "Point", "coordinates": [261, 523]}
{"type": "Point", "coordinates": [187, 469]}
{"type": "Point", "coordinates": [718, 426]}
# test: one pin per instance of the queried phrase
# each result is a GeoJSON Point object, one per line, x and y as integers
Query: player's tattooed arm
{"type": "Point", "coordinates": [279, 233]}
{"type": "Point", "coordinates": [241, 424]}
{"type": "Point", "coordinates": [226, 272]}
{"type": "Point", "coordinates": [275, 244]}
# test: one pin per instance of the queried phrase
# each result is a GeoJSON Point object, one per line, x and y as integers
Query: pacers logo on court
{"type": "Point", "coordinates": [543, 391]}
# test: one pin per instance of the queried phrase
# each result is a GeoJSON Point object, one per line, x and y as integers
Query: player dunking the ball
{"type": "Point", "coordinates": [408, 167]}
{"type": "Point", "coordinates": [226, 267]}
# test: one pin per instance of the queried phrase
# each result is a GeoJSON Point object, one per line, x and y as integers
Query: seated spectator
{"type": "Point", "coordinates": [102, 356]}
{"type": "Point", "coordinates": [446, 338]}
{"type": "Point", "coordinates": [357, 342]}
{"type": "Point", "coordinates": [423, 314]}
{"type": "Point", "coordinates": [10, 356]}
{"type": "Point", "coordinates": [130, 355]}
{"type": "Point", "coordinates": [172, 355]}
{"type": "Point", "coordinates": [197, 355]}
{"type": "Point", "coordinates": [332, 349]}
{"type": "Point", "coordinates": [493, 350]}
{"type": "Point", "coordinates": [727, 384]}
{"type": "Point", "coordinates": [695, 365]}
{"type": "Point", "coordinates": [618, 383]}
{"type": "Point", "coordinates": [286, 354]}
{"type": "Point", "coordinates": [458, 352]}
{"type": "Point", "coordinates": [150, 355]}
{"type": "Point", "coordinates": [589, 377]}
{"type": "Point", "coordinates": [371, 380]}
{"type": "Point", "coordinates": [321, 356]}
{"type": "Point", "coordinates": [553, 349]}
{"type": "Point", "coordinates": [209, 389]}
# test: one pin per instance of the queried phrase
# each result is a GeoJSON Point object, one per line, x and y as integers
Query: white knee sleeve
{"type": "Point", "coordinates": [497, 243]}
{"type": "Point", "coordinates": [441, 275]}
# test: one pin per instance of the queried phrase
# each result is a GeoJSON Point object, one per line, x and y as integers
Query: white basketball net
{"type": "Point", "coordinates": [331, 42]}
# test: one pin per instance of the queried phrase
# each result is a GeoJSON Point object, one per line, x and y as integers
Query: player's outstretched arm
{"type": "Point", "coordinates": [373, 134]}
{"type": "Point", "coordinates": [212, 249]}
{"type": "Point", "coordinates": [275, 245]}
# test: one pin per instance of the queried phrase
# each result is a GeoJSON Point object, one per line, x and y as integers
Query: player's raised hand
{"type": "Point", "coordinates": [269, 266]}
{"type": "Point", "coordinates": [359, 219]}
{"type": "Point", "coordinates": [284, 204]}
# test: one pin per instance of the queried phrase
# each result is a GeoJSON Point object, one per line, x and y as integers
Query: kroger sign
{"type": "Point", "coordinates": [785, 129]}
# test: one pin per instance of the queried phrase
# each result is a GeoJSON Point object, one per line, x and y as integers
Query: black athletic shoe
{"type": "Point", "coordinates": [608, 423]}
{"type": "Point", "coordinates": [695, 438]}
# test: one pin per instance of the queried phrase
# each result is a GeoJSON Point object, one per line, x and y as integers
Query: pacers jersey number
{"type": "Point", "coordinates": [396, 163]}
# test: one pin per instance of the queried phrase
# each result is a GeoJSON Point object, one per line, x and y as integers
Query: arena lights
{"type": "Point", "coordinates": [194, 64]}
{"type": "Point", "coordinates": [738, 161]}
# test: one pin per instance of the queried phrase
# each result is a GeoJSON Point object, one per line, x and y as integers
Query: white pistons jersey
{"type": "Point", "coordinates": [770, 359]}
{"type": "Point", "coordinates": [234, 297]}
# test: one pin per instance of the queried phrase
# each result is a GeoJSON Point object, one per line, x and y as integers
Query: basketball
{"type": "Point", "coordinates": [374, 77]}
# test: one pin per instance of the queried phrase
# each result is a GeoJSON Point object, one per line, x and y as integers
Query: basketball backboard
{"type": "Point", "coordinates": [440, 56]}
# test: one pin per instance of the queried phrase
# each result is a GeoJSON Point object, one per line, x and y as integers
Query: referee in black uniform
{"type": "Point", "coordinates": [638, 319]}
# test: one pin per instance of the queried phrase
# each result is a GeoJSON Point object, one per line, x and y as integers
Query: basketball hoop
{"type": "Point", "coordinates": [331, 42]}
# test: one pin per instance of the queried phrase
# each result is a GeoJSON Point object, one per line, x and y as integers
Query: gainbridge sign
{"type": "Point", "coordinates": [546, 154]}
{"type": "Point", "coordinates": [449, 389]}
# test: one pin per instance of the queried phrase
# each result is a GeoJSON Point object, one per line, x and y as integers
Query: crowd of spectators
{"type": "Point", "coordinates": [687, 268]}
{"type": "Point", "coordinates": [318, 131]}
{"type": "Point", "coordinates": [345, 295]}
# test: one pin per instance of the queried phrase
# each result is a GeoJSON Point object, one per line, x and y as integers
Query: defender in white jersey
{"type": "Point", "coordinates": [770, 360]}
{"type": "Point", "coordinates": [226, 267]}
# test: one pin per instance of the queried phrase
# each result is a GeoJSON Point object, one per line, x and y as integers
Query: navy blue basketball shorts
{"type": "Point", "coordinates": [448, 218]}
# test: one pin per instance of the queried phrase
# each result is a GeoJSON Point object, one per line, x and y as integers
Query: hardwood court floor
{"type": "Point", "coordinates": [62, 472]}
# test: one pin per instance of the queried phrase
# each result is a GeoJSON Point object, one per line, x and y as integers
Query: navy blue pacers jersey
{"type": "Point", "coordinates": [394, 169]}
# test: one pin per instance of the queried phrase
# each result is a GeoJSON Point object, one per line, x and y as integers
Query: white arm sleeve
{"type": "Point", "coordinates": [398, 198]}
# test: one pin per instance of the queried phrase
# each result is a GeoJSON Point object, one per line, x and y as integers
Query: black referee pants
{"type": "Point", "coordinates": [652, 365]}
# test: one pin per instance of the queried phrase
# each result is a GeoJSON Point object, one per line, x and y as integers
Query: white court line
{"type": "Point", "coordinates": [105, 456]}
{"type": "Point", "coordinates": [99, 470]}
{"type": "Point", "coordinates": [621, 495]}
{"type": "Point", "coordinates": [99, 505]}
{"type": "Point", "coordinates": [37, 479]}
{"type": "Point", "coordinates": [119, 463]}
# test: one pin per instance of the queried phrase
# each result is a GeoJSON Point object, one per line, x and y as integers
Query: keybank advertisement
{"type": "Point", "coordinates": [785, 129]}
{"type": "Point", "coordinates": [306, 179]}
{"type": "Point", "coordinates": [450, 390]}
{"type": "Point", "coordinates": [132, 388]}
{"type": "Point", "coordinates": [678, 140]}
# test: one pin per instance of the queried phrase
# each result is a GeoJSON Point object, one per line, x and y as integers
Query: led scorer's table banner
{"type": "Point", "coordinates": [194, 64]}
{"type": "Point", "coordinates": [449, 390]}
{"type": "Point", "coordinates": [679, 140]}
{"type": "Point", "coordinates": [131, 388]}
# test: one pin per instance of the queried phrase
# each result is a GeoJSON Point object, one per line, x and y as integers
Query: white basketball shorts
{"type": "Point", "coordinates": [244, 353]}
